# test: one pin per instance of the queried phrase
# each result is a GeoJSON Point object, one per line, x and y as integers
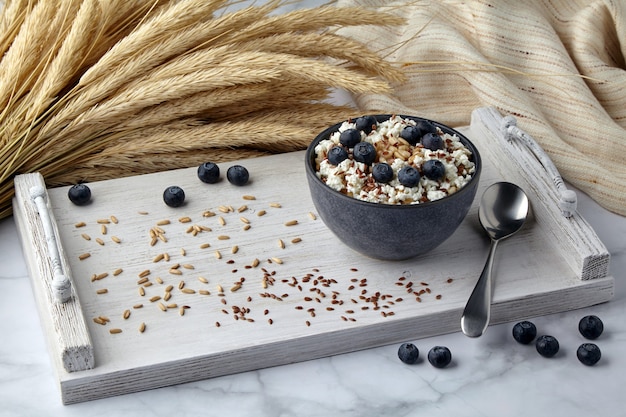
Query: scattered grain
{"type": "Point", "coordinates": [138, 306]}
{"type": "Point", "coordinates": [142, 327]}
{"type": "Point", "coordinates": [291, 223]}
{"type": "Point", "coordinates": [155, 298]}
{"type": "Point", "coordinates": [163, 222]}
{"type": "Point", "coordinates": [100, 241]}
{"type": "Point", "coordinates": [114, 220]}
{"type": "Point", "coordinates": [188, 291]}
{"type": "Point", "coordinates": [185, 219]}
{"type": "Point", "coordinates": [281, 244]}
{"type": "Point", "coordinates": [116, 239]}
{"type": "Point", "coordinates": [249, 197]}
{"type": "Point", "coordinates": [80, 224]}
{"type": "Point", "coordinates": [85, 236]}
{"type": "Point", "coordinates": [103, 229]}
{"type": "Point", "coordinates": [203, 280]}
{"type": "Point", "coordinates": [115, 331]}
{"type": "Point", "coordinates": [84, 256]}
{"type": "Point", "coordinates": [218, 254]}
{"type": "Point", "coordinates": [205, 245]}
{"type": "Point", "coordinates": [103, 221]}
{"type": "Point", "coordinates": [234, 249]}
{"type": "Point", "coordinates": [246, 227]}
{"type": "Point", "coordinates": [223, 237]}
{"type": "Point", "coordinates": [126, 314]}
{"type": "Point", "coordinates": [162, 307]}
{"type": "Point", "coordinates": [277, 260]}
{"type": "Point", "coordinates": [296, 240]}
{"type": "Point", "coordinates": [117, 271]}
{"type": "Point", "coordinates": [312, 216]}
{"type": "Point", "coordinates": [261, 213]}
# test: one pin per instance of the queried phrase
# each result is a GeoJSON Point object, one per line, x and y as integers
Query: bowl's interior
{"type": "Point", "coordinates": [325, 134]}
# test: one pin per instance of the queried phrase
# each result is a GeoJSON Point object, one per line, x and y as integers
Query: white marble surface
{"type": "Point", "coordinates": [489, 376]}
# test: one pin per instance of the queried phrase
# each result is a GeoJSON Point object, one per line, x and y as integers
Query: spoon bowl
{"type": "Point", "coordinates": [502, 212]}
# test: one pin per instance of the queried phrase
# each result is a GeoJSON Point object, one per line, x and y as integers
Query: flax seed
{"type": "Point", "coordinates": [84, 256]}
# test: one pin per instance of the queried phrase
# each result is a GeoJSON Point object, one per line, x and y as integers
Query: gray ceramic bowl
{"type": "Point", "coordinates": [385, 231]}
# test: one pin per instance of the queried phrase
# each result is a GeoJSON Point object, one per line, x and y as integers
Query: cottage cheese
{"type": "Point", "coordinates": [355, 179]}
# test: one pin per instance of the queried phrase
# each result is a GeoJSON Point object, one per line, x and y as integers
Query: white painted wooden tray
{"type": "Point", "coordinates": [311, 298]}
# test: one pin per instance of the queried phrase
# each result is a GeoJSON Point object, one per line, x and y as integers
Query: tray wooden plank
{"type": "Point", "coordinates": [358, 302]}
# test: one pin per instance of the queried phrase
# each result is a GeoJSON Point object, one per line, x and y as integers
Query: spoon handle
{"type": "Point", "coordinates": [475, 318]}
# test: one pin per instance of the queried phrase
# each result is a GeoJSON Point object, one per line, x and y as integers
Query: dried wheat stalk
{"type": "Point", "coordinates": [95, 89]}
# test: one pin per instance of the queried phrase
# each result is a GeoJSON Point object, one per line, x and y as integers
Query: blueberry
{"type": "Point", "coordinates": [424, 127]}
{"type": "Point", "coordinates": [174, 196]}
{"type": "Point", "coordinates": [547, 346]}
{"type": "Point", "coordinates": [439, 356]}
{"type": "Point", "coordinates": [364, 152]}
{"type": "Point", "coordinates": [411, 134]}
{"type": "Point", "coordinates": [591, 327]}
{"type": "Point", "coordinates": [366, 124]}
{"type": "Point", "coordinates": [79, 194]}
{"type": "Point", "coordinates": [350, 137]}
{"type": "Point", "coordinates": [434, 169]}
{"type": "Point", "coordinates": [589, 354]}
{"type": "Point", "coordinates": [408, 353]}
{"type": "Point", "coordinates": [209, 173]}
{"type": "Point", "coordinates": [382, 173]}
{"type": "Point", "coordinates": [237, 175]}
{"type": "Point", "coordinates": [409, 176]}
{"type": "Point", "coordinates": [337, 154]}
{"type": "Point", "coordinates": [524, 332]}
{"type": "Point", "coordinates": [432, 141]}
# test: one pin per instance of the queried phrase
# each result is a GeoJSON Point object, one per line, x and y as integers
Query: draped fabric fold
{"type": "Point", "coordinates": [558, 66]}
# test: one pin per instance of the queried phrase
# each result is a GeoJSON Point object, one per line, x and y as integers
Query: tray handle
{"type": "Point", "coordinates": [61, 284]}
{"type": "Point", "coordinates": [568, 200]}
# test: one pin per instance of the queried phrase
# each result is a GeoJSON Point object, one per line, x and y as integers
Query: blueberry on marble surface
{"type": "Point", "coordinates": [364, 152]}
{"type": "Point", "coordinates": [350, 137]}
{"type": "Point", "coordinates": [336, 155]}
{"type": "Point", "coordinates": [382, 172]}
{"type": "Point", "coordinates": [209, 172]}
{"type": "Point", "coordinates": [524, 332]}
{"type": "Point", "coordinates": [588, 354]}
{"type": "Point", "coordinates": [432, 141]}
{"type": "Point", "coordinates": [439, 356]}
{"type": "Point", "coordinates": [591, 327]}
{"type": "Point", "coordinates": [547, 346]}
{"type": "Point", "coordinates": [79, 194]}
{"type": "Point", "coordinates": [174, 196]}
{"type": "Point", "coordinates": [408, 176]}
{"type": "Point", "coordinates": [434, 169]}
{"type": "Point", "coordinates": [238, 175]}
{"type": "Point", "coordinates": [408, 353]}
{"type": "Point", "coordinates": [365, 124]}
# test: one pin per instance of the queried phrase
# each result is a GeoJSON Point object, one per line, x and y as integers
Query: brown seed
{"type": "Point", "coordinates": [103, 221]}
{"type": "Point", "coordinates": [126, 314]}
{"type": "Point", "coordinates": [80, 224]}
{"type": "Point", "coordinates": [235, 287]}
{"type": "Point", "coordinates": [185, 219]}
{"type": "Point", "coordinates": [102, 291]}
{"type": "Point", "coordinates": [116, 239]}
{"type": "Point", "coordinates": [312, 216]}
{"type": "Point", "coordinates": [281, 244]}
{"type": "Point", "coordinates": [144, 273]}
{"type": "Point", "coordinates": [142, 292]}
{"type": "Point", "coordinates": [261, 213]}
{"type": "Point", "coordinates": [100, 241]}
{"type": "Point", "coordinates": [188, 291]}
{"type": "Point", "coordinates": [85, 236]}
{"type": "Point", "coordinates": [162, 306]}
{"type": "Point", "coordinates": [103, 229]}
{"type": "Point", "coordinates": [246, 227]}
{"type": "Point", "coordinates": [138, 306]}
{"type": "Point", "coordinates": [84, 256]}
{"type": "Point", "coordinates": [277, 260]}
{"type": "Point", "coordinates": [234, 249]}
{"type": "Point", "coordinates": [142, 327]}
{"type": "Point", "coordinates": [203, 280]}
{"type": "Point", "coordinates": [291, 223]}
{"type": "Point", "coordinates": [98, 320]}
{"type": "Point", "coordinates": [155, 298]}
{"type": "Point", "coordinates": [204, 246]}
{"type": "Point", "coordinates": [296, 240]}
{"type": "Point", "coordinates": [249, 197]}
{"type": "Point", "coordinates": [163, 222]}
{"type": "Point", "coordinates": [142, 280]}
{"type": "Point", "coordinates": [221, 221]}
{"type": "Point", "coordinates": [308, 323]}
{"type": "Point", "coordinates": [217, 324]}
{"type": "Point", "coordinates": [115, 331]}
{"type": "Point", "coordinates": [223, 237]}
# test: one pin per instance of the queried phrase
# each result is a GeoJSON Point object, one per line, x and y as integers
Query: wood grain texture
{"type": "Point", "coordinates": [64, 324]}
{"type": "Point", "coordinates": [357, 302]}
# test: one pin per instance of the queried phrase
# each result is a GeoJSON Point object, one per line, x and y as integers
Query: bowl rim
{"type": "Point", "coordinates": [311, 171]}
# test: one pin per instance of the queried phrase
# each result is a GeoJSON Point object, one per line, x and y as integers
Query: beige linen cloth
{"type": "Point", "coordinates": [558, 66]}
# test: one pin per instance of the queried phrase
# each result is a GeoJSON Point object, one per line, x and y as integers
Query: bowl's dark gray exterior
{"type": "Point", "coordinates": [385, 231]}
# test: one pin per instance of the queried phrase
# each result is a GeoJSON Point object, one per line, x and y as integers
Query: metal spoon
{"type": "Point", "coordinates": [502, 212]}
